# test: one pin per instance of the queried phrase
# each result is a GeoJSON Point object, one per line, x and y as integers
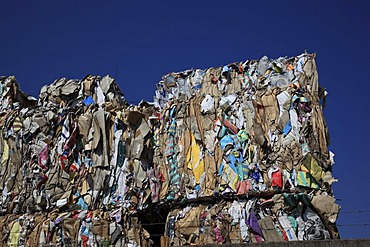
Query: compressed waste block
{"type": "Point", "coordinates": [234, 154]}
{"type": "Point", "coordinates": [251, 138]}
{"type": "Point", "coordinates": [64, 166]}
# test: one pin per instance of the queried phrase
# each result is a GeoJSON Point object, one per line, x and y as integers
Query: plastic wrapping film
{"type": "Point", "coordinates": [234, 154]}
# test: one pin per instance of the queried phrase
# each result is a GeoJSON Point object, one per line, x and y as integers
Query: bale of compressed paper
{"type": "Point", "coordinates": [253, 129]}
{"type": "Point", "coordinates": [61, 166]}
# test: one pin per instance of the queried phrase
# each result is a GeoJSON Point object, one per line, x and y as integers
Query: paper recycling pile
{"type": "Point", "coordinates": [237, 154]}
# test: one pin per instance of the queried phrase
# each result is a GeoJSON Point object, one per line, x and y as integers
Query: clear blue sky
{"type": "Point", "coordinates": [139, 41]}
